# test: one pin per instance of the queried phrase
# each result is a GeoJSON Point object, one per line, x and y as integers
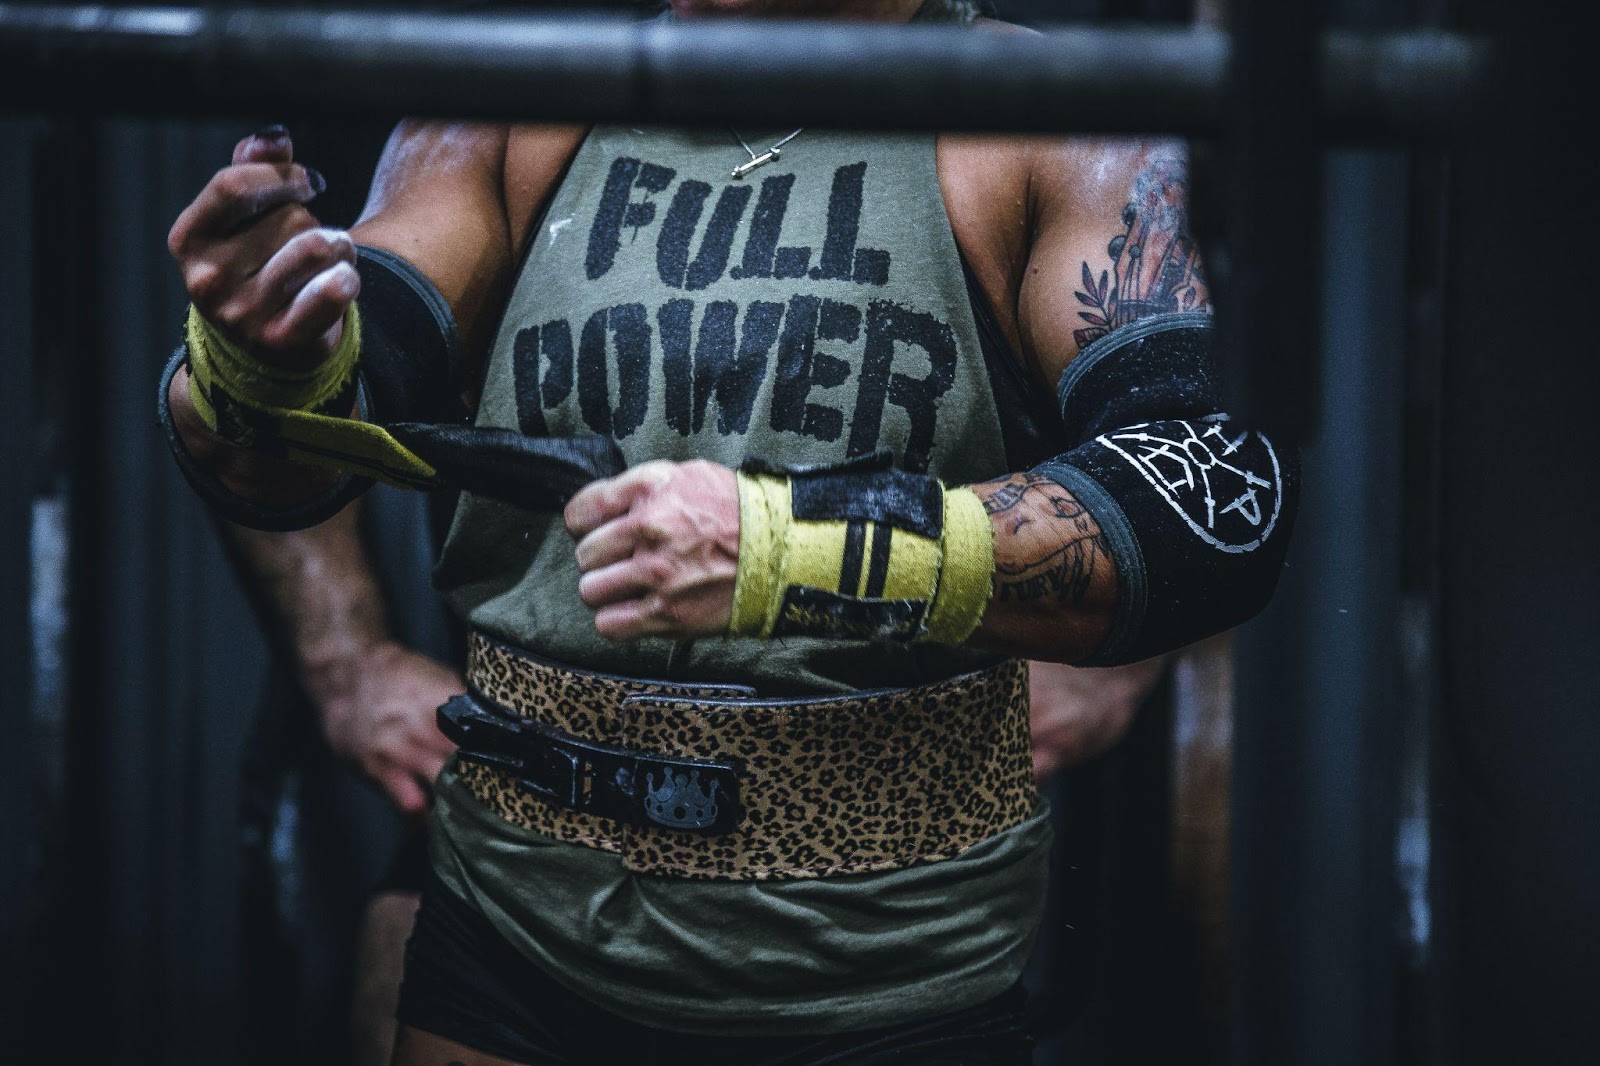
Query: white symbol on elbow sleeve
{"type": "Point", "coordinates": [1226, 487]}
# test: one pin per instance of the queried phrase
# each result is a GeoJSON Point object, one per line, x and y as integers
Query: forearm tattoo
{"type": "Point", "coordinates": [1155, 265]}
{"type": "Point", "coordinates": [1047, 545]}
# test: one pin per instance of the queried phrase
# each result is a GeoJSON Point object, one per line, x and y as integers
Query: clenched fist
{"type": "Point", "coordinates": [257, 263]}
{"type": "Point", "coordinates": [658, 548]}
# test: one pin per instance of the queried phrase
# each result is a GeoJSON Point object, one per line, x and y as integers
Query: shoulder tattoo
{"type": "Point", "coordinates": [1155, 264]}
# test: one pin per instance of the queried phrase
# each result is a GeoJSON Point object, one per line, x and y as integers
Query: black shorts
{"type": "Point", "coordinates": [464, 982]}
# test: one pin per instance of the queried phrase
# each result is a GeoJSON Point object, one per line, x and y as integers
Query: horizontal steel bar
{"type": "Point", "coordinates": [586, 68]}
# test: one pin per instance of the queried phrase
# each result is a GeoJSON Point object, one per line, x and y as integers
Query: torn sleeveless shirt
{"type": "Point", "coordinates": [815, 310]}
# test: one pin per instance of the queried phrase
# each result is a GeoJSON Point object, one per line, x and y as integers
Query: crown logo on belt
{"type": "Point", "coordinates": [680, 802]}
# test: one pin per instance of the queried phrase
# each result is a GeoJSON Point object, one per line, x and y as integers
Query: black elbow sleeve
{"type": "Point", "coordinates": [408, 343]}
{"type": "Point", "coordinates": [1196, 509]}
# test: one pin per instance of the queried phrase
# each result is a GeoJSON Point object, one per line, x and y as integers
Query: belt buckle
{"type": "Point", "coordinates": [635, 787]}
{"type": "Point", "coordinates": [697, 796]}
{"type": "Point", "coordinates": [641, 788]}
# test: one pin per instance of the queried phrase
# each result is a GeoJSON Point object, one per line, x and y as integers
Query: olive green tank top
{"type": "Point", "coordinates": [813, 311]}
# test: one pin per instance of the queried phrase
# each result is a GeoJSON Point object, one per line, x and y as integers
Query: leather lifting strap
{"type": "Point", "coordinates": [537, 473]}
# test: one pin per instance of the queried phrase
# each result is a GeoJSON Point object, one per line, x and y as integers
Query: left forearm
{"type": "Point", "coordinates": [1055, 584]}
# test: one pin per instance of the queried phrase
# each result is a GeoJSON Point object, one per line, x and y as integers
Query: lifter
{"type": "Point", "coordinates": [788, 445]}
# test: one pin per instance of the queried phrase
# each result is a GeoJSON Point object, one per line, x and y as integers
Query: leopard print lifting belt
{"type": "Point", "coordinates": [814, 786]}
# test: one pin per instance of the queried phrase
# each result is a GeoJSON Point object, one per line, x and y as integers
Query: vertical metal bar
{"type": "Point", "coordinates": [70, 212]}
{"type": "Point", "coordinates": [1314, 958]}
{"type": "Point", "coordinates": [1517, 854]}
{"type": "Point", "coordinates": [19, 841]}
{"type": "Point", "coordinates": [1266, 312]}
{"type": "Point", "coordinates": [1270, 313]}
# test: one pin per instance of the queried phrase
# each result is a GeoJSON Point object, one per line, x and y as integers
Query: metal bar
{"type": "Point", "coordinates": [200, 62]}
{"type": "Point", "coordinates": [1518, 720]}
{"type": "Point", "coordinates": [19, 831]}
{"type": "Point", "coordinates": [1267, 317]}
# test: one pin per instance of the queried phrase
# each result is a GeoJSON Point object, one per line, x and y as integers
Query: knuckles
{"type": "Point", "coordinates": [205, 282]}
{"type": "Point", "coordinates": [236, 186]}
{"type": "Point", "coordinates": [675, 532]}
{"type": "Point", "coordinates": [318, 244]}
{"type": "Point", "coordinates": [666, 610]}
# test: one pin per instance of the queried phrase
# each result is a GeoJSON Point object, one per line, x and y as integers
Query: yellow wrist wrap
{"type": "Point", "coordinates": [858, 579]}
{"type": "Point", "coordinates": [272, 409]}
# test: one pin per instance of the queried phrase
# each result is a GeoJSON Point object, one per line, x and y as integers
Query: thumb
{"type": "Point", "coordinates": [406, 794]}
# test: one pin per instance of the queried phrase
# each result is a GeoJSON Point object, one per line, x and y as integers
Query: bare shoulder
{"type": "Point", "coordinates": [455, 199]}
{"type": "Point", "coordinates": [493, 170]}
{"type": "Point", "coordinates": [1089, 181]}
{"type": "Point", "coordinates": [1110, 243]}
{"type": "Point", "coordinates": [536, 159]}
{"type": "Point", "coordinates": [422, 155]}
{"type": "Point", "coordinates": [984, 181]}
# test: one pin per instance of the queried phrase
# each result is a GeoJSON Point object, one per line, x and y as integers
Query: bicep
{"type": "Point", "coordinates": [438, 202]}
{"type": "Point", "coordinates": [1111, 245]}
{"type": "Point", "coordinates": [1183, 502]}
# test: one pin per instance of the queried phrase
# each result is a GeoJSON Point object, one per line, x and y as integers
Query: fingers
{"type": "Point", "coordinates": [238, 194]}
{"type": "Point", "coordinates": [293, 318]}
{"type": "Point", "coordinates": [246, 253]}
{"type": "Point", "coordinates": [619, 581]}
{"type": "Point", "coordinates": [611, 543]}
{"type": "Point", "coordinates": [658, 549]}
{"type": "Point", "coordinates": [265, 268]}
{"type": "Point", "coordinates": [283, 277]}
{"type": "Point", "coordinates": [436, 749]}
{"type": "Point", "coordinates": [629, 620]}
{"type": "Point", "coordinates": [216, 272]}
{"type": "Point", "coordinates": [602, 501]}
{"type": "Point", "coordinates": [254, 260]}
{"type": "Point", "coordinates": [696, 614]}
{"type": "Point", "coordinates": [412, 755]}
{"type": "Point", "coordinates": [270, 144]}
{"type": "Point", "coordinates": [408, 796]}
{"type": "Point", "coordinates": [312, 321]}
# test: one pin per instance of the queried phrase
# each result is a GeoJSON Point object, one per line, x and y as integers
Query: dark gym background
{"type": "Point", "coordinates": [1413, 844]}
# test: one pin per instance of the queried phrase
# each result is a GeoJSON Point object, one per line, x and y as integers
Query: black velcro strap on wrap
{"type": "Point", "coordinates": [809, 612]}
{"type": "Point", "coordinates": [866, 488]}
{"type": "Point", "coordinates": [913, 502]}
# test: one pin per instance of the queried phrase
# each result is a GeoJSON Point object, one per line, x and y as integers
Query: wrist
{"type": "Point", "coordinates": [231, 388]}
{"type": "Point", "coordinates": [295, 417]}
{"type": "Point", "coordinates": [336, 673]}
{"type": "Point", "coordinates": [861, 552]}
{"type": "Point", "coordinates": [250, 475]}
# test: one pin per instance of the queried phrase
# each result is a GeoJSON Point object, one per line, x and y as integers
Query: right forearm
{"type": "Point", "coordinates": [317, 598]}
{"type": "Point", "coordinates": [275, 332]}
